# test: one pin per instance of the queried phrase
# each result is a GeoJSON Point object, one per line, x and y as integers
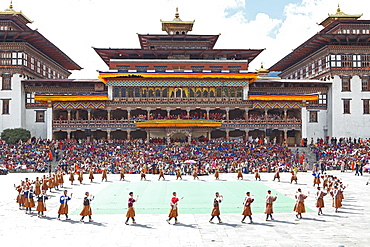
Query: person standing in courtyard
{"type": "Point", "coordinates": [80, 175]}
{"type": "Point", "coordinates": [257, 174]}
{"type": "Point", "coordinates": [269, 210]}
{"type": "Point", "coordinates": [41, 206]}
{"type": "Point", "coordinates": [161, 173]}
{"type": "Point", "coordinates": [121, 174]}
{"type": "Point", "coordinates": [337, 195]}
{"type": "Point", "coordinates": [277, 174]}
{"type": "Point", "coordinates": [320, 200]}
{"type": "Point", "coordinates": [142, 173]}
{"type": "Point", "coordinates": [216, 207]}
{"type": "Point", "coordinates": [178, 173]}
{"type": "Point", "coordinates": [195, 172]}
{"type": "Point", "coordinates": [86, 210]}
{"type": "Point", "coordinates": [247, 207]}
{"type": "Point", "coordinates": [71, 176]}
{"type": "Point", "coordinates": [217, 173]}
{"type": "Point", "coordinates": [240, 174]}
{"type": "Point", "coordinates": [174, 209]}
{"type": "Point", "coordinates": [299, 205]}
{"type": "Point", "coordinates": [29, 203]}
{"type": "Point", "coordinates": [294, 176]}
{"type": "Point", "coordinates": [91, 175]}
{"type": "Point", "coordinates": [63, 208]}
{"type": "Point", "coordinates": [130, 210]}
{"type": "Point", "coordinates": [104, 174]}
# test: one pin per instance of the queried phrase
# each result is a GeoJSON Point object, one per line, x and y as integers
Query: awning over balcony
{"type": "Point", "coordinates": [62, 97]}
{"type": "Point", "coordinates": [179, 123]}
{"type": "Point", "coordinates": [285, 97]}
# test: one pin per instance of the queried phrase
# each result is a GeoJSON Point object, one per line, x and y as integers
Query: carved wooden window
{"type": "Point", "coordinates": [40, 116]}
{"type": "Point", "coordinates": [6, 103]}
{"type": "Point", "coordinates": [357, 61]}
{"type": "Point", "coordinates": [366, 109]}
{"type": "Point", "coordinates": [346, 84]}
{"type": "Point", "coordinates": [346, 106]}
{"type": "Point", "coordinates": [365, 83]}
{"type": "Point", "coordinates": [313, 117]}
{"type": "Point", "coordinates": [7, 82]}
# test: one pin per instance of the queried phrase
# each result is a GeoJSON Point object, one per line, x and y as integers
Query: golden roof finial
{"type": "Point", "coordinates": [338, 9]}
{"type": "Point", "coordinates": [177, 15]}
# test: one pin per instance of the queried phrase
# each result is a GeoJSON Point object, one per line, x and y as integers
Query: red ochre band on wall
{"type": "Point", "coordinates": [53, 98]}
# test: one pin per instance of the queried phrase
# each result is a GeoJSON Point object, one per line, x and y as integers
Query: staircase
{"type": "Point", "coordinates": [310, 156]}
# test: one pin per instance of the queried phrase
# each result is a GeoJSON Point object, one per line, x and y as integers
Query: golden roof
{"type": "Point", "coordinates": [340, 15]}
{"type": "Point", "coordinates": [177, 24]}
{"type": "Point", "coordinates": [11, 11]}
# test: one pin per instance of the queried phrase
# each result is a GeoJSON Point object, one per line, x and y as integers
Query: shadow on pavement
{"type": "Point", "coordinates": [186, 225]}
{"type": "Point", "coordinates": [142, 226]}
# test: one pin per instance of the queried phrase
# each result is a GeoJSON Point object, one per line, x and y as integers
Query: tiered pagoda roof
{"type": "Point", "coordinates": [22, 33]}
{"type": "Point", "coordinates": [324, 38]}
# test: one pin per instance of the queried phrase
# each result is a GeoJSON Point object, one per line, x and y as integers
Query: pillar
{"type": "Point", "coordinates": [49, 121]}
{"type": "Point", "coordinates": [285, 114]}
{"type": "Point", "coordinates": [168, 112]}
{"type": "Point", "coordinates": [246, 135]}
{"type": "Point", "coordinates": [227, 134]}
{"type": "Point", "coordinates": [108, 134]}
{"type": "Point", "coordinates": [148, 113]}
{"type": "Point", "coordinates": [286, 136]}
{"type": "Point", "coordinates": [209, 134]}
{"type": "Point", "coordinates": [207, 110]}
{"type": "Point", "coordinates": [89, 114]}
{"type": "Point", "coordinates": [128, 135]}
{"type": "Point", "coordinates": [69, 114]}
{"type": "Point", "coordinates": [227, 113]}
{"type": "Point", "coordinates": [188, 112]}
{"type": "Point", "coordinates": [148, 136]}
{"type": "Point", "coordinates": [128, 114]}
{"type": "Point", "coordinates": [77, 114]}
{"type": "Point", "coordinates": [68, 134]}
{"type": "Point", "coordinates": [246, 116]}
{"type": "Point", "coordinates": [266, 114]}
{"type": "Point", "coordinates": [189, 137]}
{"type": "Point", "coordinates": [108, 114]}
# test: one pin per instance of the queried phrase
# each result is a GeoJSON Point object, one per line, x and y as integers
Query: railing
{"type": "Point", "coordinates": [188, 100]}
{"type": "Point", "coordinates": [261, 123]}
{"type": "Point", "coordinates": [98, 124]}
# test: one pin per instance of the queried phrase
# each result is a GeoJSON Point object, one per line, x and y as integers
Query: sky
{"type": "Point", "coordinates": [278, 26]}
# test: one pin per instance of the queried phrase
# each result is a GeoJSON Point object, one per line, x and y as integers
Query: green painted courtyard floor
{"type": "Point", "coordinates": [154, 197]}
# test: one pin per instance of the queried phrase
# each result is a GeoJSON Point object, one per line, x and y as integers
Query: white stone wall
{"type": "Point", "coordinates": [316, 130]}
{"type": "Point", "coordinates": [14, 118]}
{"type": "Point", "coordinates": [356, 124]}
{"type": "Point", "coordinates": [37, 129]}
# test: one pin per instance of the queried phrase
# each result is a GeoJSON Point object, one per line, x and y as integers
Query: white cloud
{"type": "Point", "coordinates": [76, 25]}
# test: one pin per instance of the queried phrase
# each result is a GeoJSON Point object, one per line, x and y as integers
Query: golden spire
{"type": "Point", "coordinates": [11, 4]}
{"type": "Point", "coordinates": [338, 9]}
{"type": "Point", "coordinates": [177, 15]}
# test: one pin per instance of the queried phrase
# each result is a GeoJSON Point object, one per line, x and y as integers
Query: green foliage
{"type": "Point", "coordinates": [12, 136]}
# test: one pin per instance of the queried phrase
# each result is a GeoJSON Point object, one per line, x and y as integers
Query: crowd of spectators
{"type": "Point", "coordinates": [34, 155]}
{"type": "Point", "coordinates": [227, 155]}
{"type": "Point", "coordinates": [344, 153]}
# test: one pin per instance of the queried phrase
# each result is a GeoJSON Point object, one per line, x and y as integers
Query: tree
{"type": "Point", "coordinates": [12, 136]}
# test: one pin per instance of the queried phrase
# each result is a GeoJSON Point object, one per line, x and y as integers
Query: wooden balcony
{"type": "Point", "coordinates": [125, 124]}
{"type": "Point", "coordinates": [262, 124]}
